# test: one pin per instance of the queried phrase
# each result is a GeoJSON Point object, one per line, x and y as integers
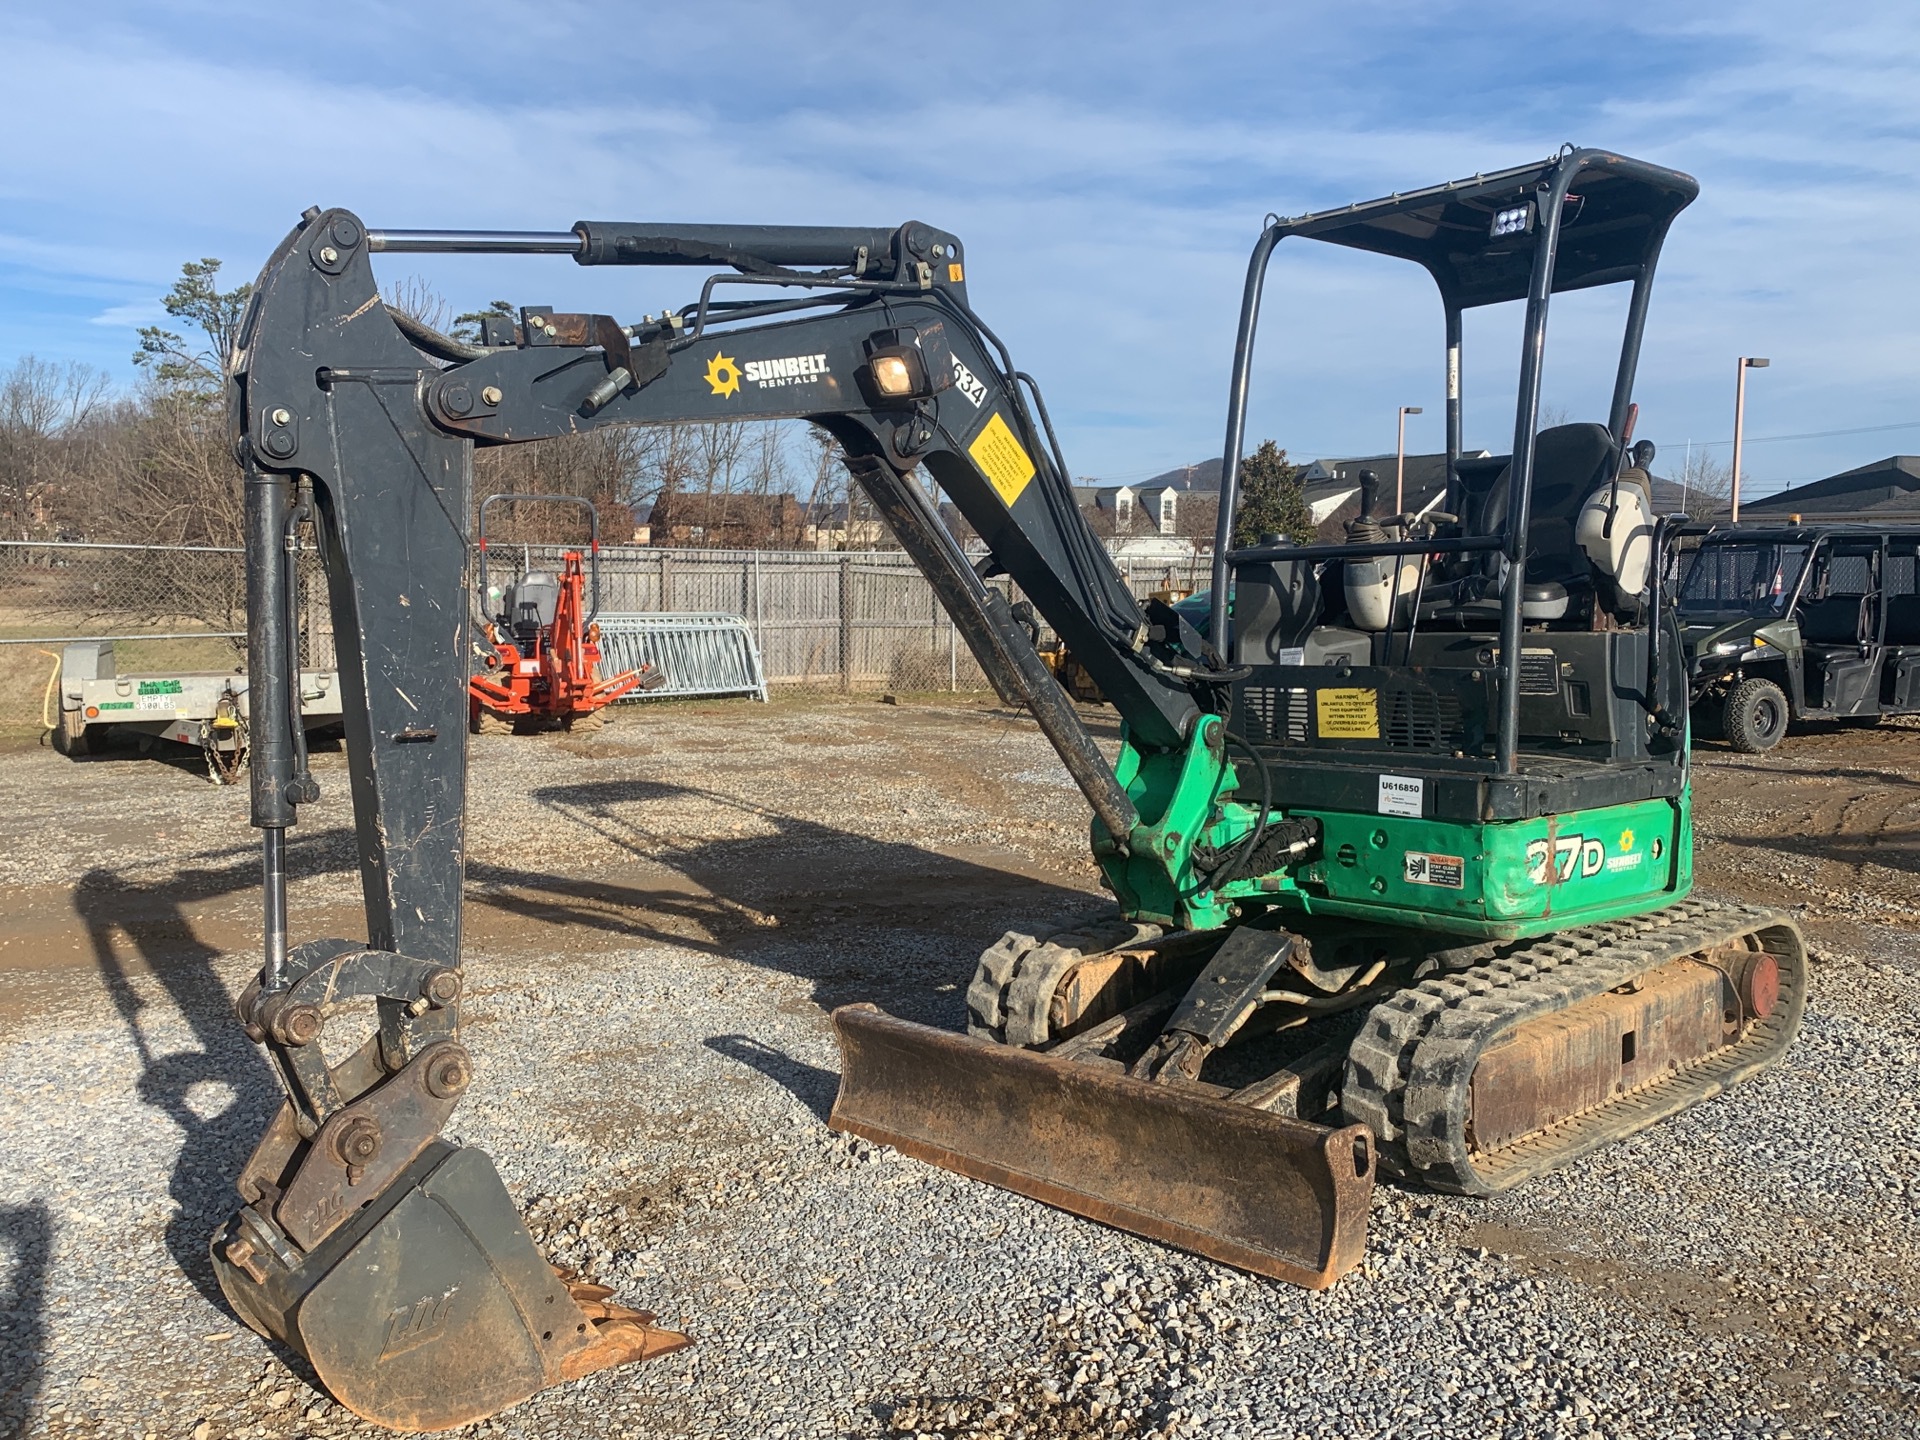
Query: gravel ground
{"type": "Point", "coordinates": [660, 918]}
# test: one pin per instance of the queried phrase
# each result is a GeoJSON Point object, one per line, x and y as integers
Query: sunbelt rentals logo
{"type": "Point", "coordinates": [725, 375]}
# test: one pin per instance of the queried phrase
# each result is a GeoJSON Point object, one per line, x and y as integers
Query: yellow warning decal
{"type": "Point", "coordinates": [1002, 460]}
{"type": "Point", "coordinates": [955, 274]}
{"type": "Point", "coordinates": [1348, 714]}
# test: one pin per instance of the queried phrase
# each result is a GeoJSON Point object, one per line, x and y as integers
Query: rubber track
{"type": "Point", "coordinates": [1408, 1070]}
{"type": "Point", "coordinates": [1013, 982]}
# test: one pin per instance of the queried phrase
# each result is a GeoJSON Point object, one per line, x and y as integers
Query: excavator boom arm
{"type": "Point", "coordinates": [355, 1213]}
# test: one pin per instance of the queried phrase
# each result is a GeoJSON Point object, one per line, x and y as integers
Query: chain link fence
{"type": "Point", "coordinates": [864, 620]}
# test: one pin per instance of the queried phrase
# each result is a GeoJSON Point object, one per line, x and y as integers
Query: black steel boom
{"type": "Point", "coordinates": [372, 422]}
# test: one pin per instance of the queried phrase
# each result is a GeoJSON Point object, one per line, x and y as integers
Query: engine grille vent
{"type": "Point", "coordinates": [1275, 716]}
{"type": "Point", "coordinates": [1419, 720]}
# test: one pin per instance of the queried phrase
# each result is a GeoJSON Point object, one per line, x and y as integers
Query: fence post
{"type": "Point", "coordinates": [846, 622]}
{"type": "Point", "coordinates": [666, 581]}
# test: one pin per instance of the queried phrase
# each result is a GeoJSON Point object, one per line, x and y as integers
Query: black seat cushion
{"type": "Point", "coordinates": [1569, 463]}
{"type": "Point", "coordinates": [1832, 621]}
{"type": "Point", "coordinates": [1903, 620]}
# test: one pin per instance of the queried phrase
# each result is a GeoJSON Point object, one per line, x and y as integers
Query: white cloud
{"type": "Point", "coordinates": [1108, 175]}
{"type": "Point", "coordinates": [131, 316]}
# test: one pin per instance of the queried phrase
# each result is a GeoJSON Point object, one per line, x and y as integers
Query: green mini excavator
{"type": "Point", "coordinates": [1397, 835]}
{"type": "Point", "coordinates": [1405, 852]}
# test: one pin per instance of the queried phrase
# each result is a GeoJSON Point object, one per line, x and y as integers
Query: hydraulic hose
{"type": "Point", "coordinates": [1248, 846]}
{"type": "Point", "coordinates": [443, 347]}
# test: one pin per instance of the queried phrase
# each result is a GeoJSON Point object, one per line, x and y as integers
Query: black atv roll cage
{"type": "Point", "coordinates": [1524, 233]}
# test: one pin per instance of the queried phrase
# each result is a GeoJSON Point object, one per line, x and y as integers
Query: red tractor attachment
{"type": "Point", "coordinates": [542, 649]}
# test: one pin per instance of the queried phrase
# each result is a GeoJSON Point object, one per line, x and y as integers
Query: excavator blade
{"type": "Point", "coordinates": [1262, 1192]}
{"type": "Point", "coordinates": [430, 1308]}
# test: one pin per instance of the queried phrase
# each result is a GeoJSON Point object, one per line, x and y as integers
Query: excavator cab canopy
{"type": "Point", "coordinates": [1477, 237]}
{"type": "Point", "coordinates": [1577, 220]}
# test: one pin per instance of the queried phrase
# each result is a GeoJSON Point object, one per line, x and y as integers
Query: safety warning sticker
{"type": "Point", "coordinates": [1002, 460]}
{"type": "Point", "coordinates": [1344, 714]}
{"type": "Point", "coordinates": [1425, 869]}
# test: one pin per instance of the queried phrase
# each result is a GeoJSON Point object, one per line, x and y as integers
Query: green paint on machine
{"type": "Point", "coordinates": [1502, 879]}
{"type": "Point", "coordinates": [1489, 880]}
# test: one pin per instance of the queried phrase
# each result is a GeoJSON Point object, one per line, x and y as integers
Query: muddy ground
{"type": "Point", "coordinates": [659, 919]}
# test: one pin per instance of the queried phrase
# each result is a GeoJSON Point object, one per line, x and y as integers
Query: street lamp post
{"type": "Point", "coordinates": [1747, 362]}
{"type": "Point", "coordinates": [1400, 461]}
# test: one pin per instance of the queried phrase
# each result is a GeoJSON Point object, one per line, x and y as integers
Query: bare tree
{"type": "Point", "coordinates": [46, 415]}
{"type": "Point", "coordinates": [1701, 474]}
{"type": "Point", "coordinates": [413, 295]}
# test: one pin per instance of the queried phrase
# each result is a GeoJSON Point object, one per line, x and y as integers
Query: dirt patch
{"type": "Point", "coordinates": [1815, 1338]}
{"type": "Point", "coordinates": [1829, 820]}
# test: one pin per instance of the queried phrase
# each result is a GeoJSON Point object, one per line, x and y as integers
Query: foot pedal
{"type": "Point", "coordinates": [431, 1308]}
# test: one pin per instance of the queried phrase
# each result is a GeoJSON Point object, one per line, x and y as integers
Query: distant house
{"type": "Point", "coordinates": [1151, 507]}
{"type": "Point", "coordinates": [845, 527]}
{"type": "Point", "coordinates": [728, 522]}
{"type": "Point", "coordinates": [1884, 491]}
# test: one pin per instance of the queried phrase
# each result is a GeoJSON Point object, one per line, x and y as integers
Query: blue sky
{"type": "Point", "coordinates": [1108, 166]}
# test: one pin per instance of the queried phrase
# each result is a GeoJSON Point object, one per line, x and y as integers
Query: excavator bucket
{"type": "Point", "coordinates": [1262, 1192]}
{"type": "Point", "coordinates": [430, 1308]}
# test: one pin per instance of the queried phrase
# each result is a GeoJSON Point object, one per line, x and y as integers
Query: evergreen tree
{"type": "Point", "coordinates": [196, 296]}
{"type": "Point", "coordinates": [1271, 500]}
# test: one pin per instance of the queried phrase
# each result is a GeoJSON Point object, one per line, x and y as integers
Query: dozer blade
{"type": "Point", "coordinates": [430, 1308]}
{"type": "Point", "coordinates": [1266, 1193]}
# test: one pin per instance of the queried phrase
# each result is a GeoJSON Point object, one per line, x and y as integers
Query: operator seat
{"type": "Point", "coordinates": [1570, 462]}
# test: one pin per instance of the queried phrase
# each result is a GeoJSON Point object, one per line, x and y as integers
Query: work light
{"type": "Point", "coordinates": [1517, 220]}
{"type": "Point", "coordinates": [893, 376]}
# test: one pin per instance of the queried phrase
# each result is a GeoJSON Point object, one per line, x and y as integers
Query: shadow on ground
{"type": "Point", "coordinates": [139, 929]}
{"type": "Point", "coordinates": [861, 919]}
{"type": "Point", "coordinates": [809, 1084]}
{"type": "Point", "coordinates": [26, 1249]}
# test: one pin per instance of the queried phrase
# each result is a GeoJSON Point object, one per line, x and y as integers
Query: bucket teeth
{"type": "Point", "coordinates": [622, 1336]}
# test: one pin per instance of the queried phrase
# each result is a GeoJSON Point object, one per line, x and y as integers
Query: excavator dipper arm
{"type": "Point", "coordinates": [393, 1259]}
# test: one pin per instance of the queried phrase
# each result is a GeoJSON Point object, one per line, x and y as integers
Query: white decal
{"type": "Point", "coordinates": [1445, 870]}
{"type": "Point", "coordinates": [1537, 861]}
{"type": "Point", "coordinates": [787, 370]}
{"type": "Point", "coordinates": [1402, 795]}
{"type": "Point", "coordinates": [1592, 855]}
{"type": "Point", "coordinates": [1575, 856]}
{"type": "Point", "coordinates": [968, 384]}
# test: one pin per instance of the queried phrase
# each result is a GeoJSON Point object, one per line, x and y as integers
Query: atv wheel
{"type": "Point", "coordinates": [1756, 716]}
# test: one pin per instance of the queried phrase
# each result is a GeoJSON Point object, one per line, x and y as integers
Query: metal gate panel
{"type": "Point", "coordinates": [698, 654]}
